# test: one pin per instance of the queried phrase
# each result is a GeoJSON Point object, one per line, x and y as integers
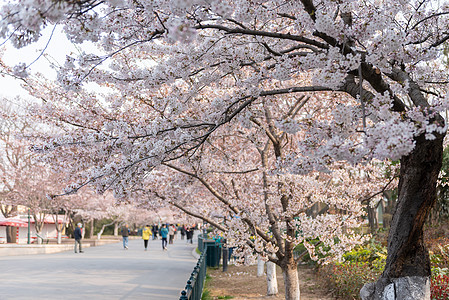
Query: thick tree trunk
{"type": "Point", "coordinates": [407, 254]}
{"type": "Point", "coordinates": [408, 257]}
{"type": "Point", "coordinates": [291, 281]}
{"type": "Point", "coordinates": [272, 283]}
{"type": "Point", "coordinates": [11, 234]}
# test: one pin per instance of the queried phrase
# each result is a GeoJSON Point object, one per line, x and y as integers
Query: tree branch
{"type": "Point", "coordinates": [276, 35]}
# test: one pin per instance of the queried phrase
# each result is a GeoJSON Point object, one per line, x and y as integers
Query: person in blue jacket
{"type": "Point", "coordinates": [164, 234]}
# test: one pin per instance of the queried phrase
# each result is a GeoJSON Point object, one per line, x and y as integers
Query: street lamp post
{"type": "Point", "coordinates": [29, 235]}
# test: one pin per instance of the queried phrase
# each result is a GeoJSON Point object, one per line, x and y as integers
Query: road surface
{"type": "Point", "coordinates": [102, 272]}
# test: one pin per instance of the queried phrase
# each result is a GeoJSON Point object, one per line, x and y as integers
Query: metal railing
{"type": "Point", "coordinates": [201, 238]}
{"type": "Point", "coordinates": [195, 284]}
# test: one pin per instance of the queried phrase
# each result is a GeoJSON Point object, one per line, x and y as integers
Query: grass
{"type": "Point", "coordinates": [206, 292]}
{"type": "Point", "coordinates": [206, 295]}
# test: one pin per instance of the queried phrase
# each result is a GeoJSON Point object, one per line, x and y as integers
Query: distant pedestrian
{"type": "Point", "coordinates": [164, 234]}
{"type": "Point", "coordinates": [146, 233]}
{"type": "Point", "coordinates": [78, 235]}
{"type": "Point", "coordinates": [171, 233]}
{"type": "Point", "coordinates": [154, 229]}
{"type": "Point", "coordinates": [189, 234]}
{"type": "Point", "coordinates": [125, 236]}
{"type": "Point", "coordinates": [183, 232]}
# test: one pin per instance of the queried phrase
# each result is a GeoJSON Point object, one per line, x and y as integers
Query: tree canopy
{"type": "Point", "coordinates": [174, 73]}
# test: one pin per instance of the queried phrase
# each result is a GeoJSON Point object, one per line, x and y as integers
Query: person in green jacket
{"type": "Point", "coordinates": [164, 234]}
{"type": "Point", "coordinates": [146, 233]}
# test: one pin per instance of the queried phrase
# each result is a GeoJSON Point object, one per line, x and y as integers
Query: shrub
{"type": "Point", "coordinates": [365, 264]}
{"type": "Point", "coordinates": [439, 287]}
{"type": "Point", "coordinates": [361, 265]}
{"type": "Point", "coordinates": [348, 278]}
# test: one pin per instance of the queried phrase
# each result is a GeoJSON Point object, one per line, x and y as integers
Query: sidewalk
{"type": "Point", "coordinates": [67, 245]}
{"type": "Point", "coordinates": [102, 272]}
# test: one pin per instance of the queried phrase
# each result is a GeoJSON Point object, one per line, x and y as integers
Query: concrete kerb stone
{"type": "Point", "coordinates": [195, 254]}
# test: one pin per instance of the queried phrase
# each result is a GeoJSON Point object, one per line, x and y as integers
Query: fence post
{"type": "Point", "coordinates": [225, 258]}
{"type": "Point", "coordinates": [183, 296]}
{"type": "Point", "coordinates": [189, 285]}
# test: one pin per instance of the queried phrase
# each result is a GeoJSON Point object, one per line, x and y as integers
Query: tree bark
{"type": "Point", "coordinates": [407, 254]}
{"type": "Point", "coordinates": [272, 283]}
{"type": "Point", "coordinates": [11, 234]}
{"type": "Point", "coordinates": [291, 281]}
{"type": "Point", "coordinates": [371, 218]}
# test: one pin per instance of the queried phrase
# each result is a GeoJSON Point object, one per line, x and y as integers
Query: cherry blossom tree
{"type": "Point", "coordinates": [263, 211]}
{"type": "Point", "coordinates": [25, 181]}
{"type": "Point", "coordinates": [179, 70]}
{"type": "Point", "coordinates": [61, 210]}
{"type": "Point", "coordinates": [13, 158]}
{"type": "Point", "coordinates": [91, 206]}
{"type": "Point", "coordinates": [35, 186]}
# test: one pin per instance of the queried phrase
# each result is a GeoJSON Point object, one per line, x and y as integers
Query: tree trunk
{"type": "Point", "coordinates": [91, 233]}
{"type": "Point", "coordinates": [39, 239]}
{"type": "Point", "coordinates": [272, 283]}
{"type": "Point", "coordinates": [371, 218]}
{"type": "Point", "coordinates": [10, 234]}
{"type": "Point", "coordinates": [407, 255]}
{"type": "Point", "coordinates": [291, 281]}
{"type": "Point", "coordinates": [103, 228]}
{"type": "Point", "coordinates": [116, 229]}
{"type": "Point", "coordinates": [260, 267]}
{"type": "Point", "coordinates": [100, 233]}
{"type": "Point", "coordinates": [59, 236]}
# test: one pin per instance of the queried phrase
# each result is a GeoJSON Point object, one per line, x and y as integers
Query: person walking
{"type": "Point", "coordinates": [164, 233]}
{"type": "Point", "coordinates": [78, 235]}
{"type": "Point", "coordinates": [189, 234]}
{"type": "Point", "coordinates": [171, 233]}
{"type": "Point", "coordinates": [155, 229]}
{"type": "Point", "coordinates": [146, 233]}
{"type": "Point", "coordinates": [125, 236]}
{"type": "Point", "coordinates": [183, 232]}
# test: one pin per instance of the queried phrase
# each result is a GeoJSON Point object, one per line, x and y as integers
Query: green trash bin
{"type": "Point", "coordinates": [213, 253]}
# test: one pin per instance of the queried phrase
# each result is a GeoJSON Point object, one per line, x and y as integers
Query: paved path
{"type": "Point", "coordinates": [103, 272]}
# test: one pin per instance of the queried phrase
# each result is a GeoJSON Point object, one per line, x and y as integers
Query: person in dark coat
{"type": "Point", "coordinates": [78, 236]}
{"type": "Point", "coordinates": [155, 230]}
{"type": "Point", "coordinates": [125, 236]}
{"type": "Point", "coordinates": [189, 234]}
{"type": "Point", "coordinates": [183, 232]}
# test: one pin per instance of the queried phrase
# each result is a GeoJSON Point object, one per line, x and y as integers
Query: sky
{"type": "Point", "coordinates": [56, 50]}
